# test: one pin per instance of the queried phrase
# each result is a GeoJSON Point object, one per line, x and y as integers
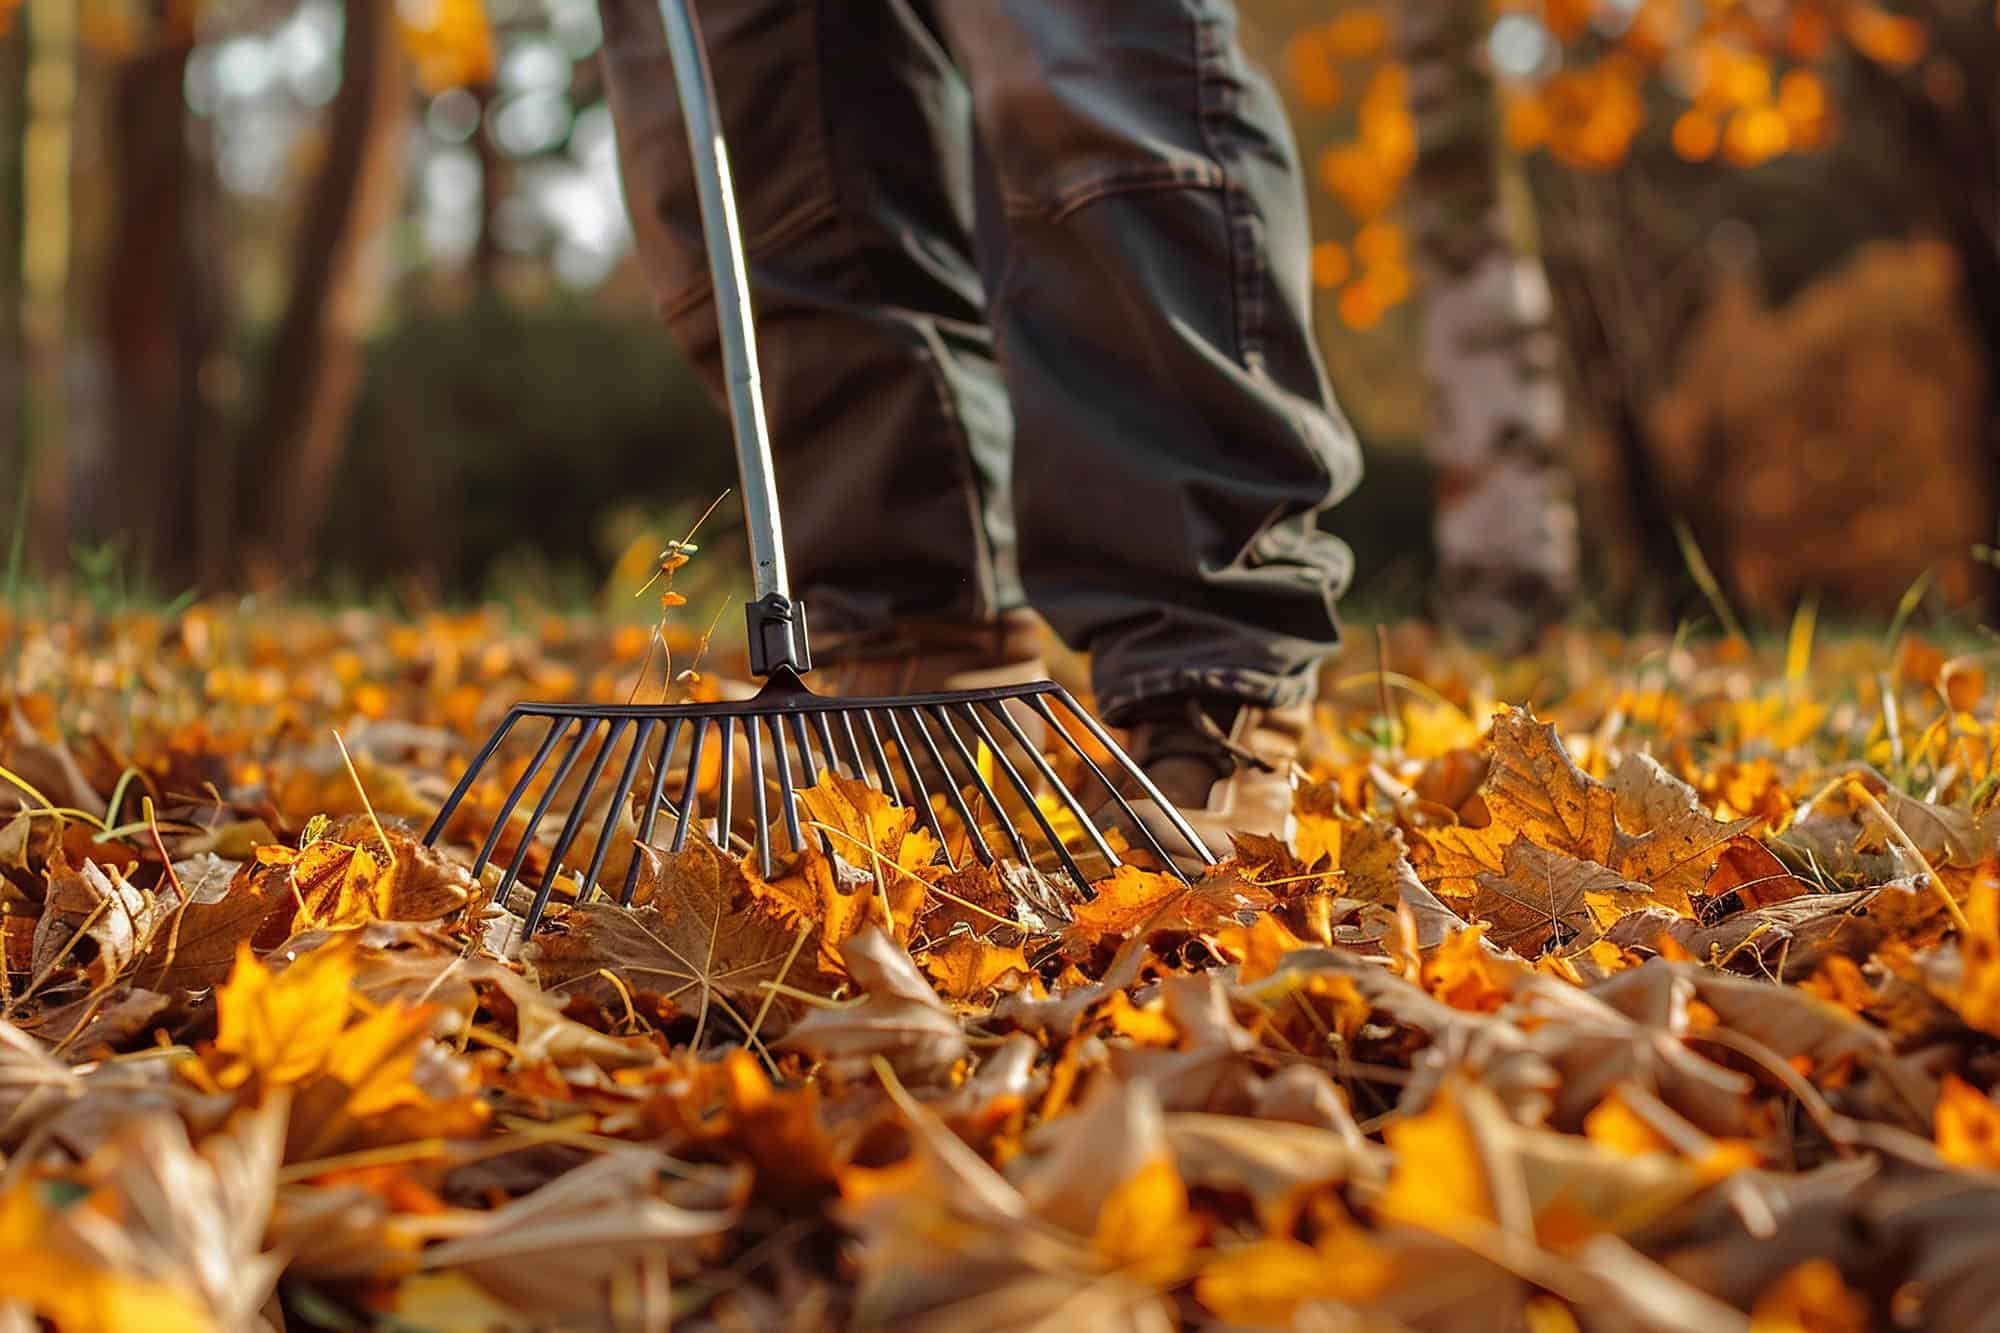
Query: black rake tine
{"type": "Point", "coordinates": [979, 780]}
{"type": "Point", "coordinates": [785, 789]}
{"type": "Point", "coordinates": [880, 756]}
{"type": "Point", "coordinates": [853, 744]}
{"type": "Point", "coordinates": [644, 836]}
{"type": "Point", "coordinates": [1028, 797]}
{"type": "Point", "coordinates": [917, 788]}
{"type": "Point", "coordinates": [557, 726]}
{"type": "Point", "coordinates": [826, 742]}
{"type": "Point", "coordinates": [1138, 775]}
{"type": "Point", "coordinates": [1039, 702]}
{"type": "Point", "coordinates": [584, 726]}
{"type": "Point", "coordinates": [957, 797]}
{"type": "Point", "coordinates": [579, 815]}
{"type": "Point", "coordinates": [471, 772]}
{"type": "Point", "coordinates": [761, 818]}
{"type": "Point", "coordinates": [690, 791]}
{"type": "Point", "coordinates": [806, 770]}
{"type": "Point", "coordinates": [617, 804]}
{"type": "Point", "coordinates": [999, 710]}
{"type": "Point", "coordinates": [726, 736]}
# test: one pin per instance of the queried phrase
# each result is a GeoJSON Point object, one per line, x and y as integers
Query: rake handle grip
{"type": "Point", "coordinates": [776, 622]}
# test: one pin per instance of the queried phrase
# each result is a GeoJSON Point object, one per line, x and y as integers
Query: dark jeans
{"type": "Point", "coordinates": [1033, 304]}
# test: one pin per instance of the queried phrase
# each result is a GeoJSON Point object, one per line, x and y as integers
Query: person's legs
{"type": "Point", "coordinates": [1176, 438]}
{"type": "Point", "coordinates": [849, 136]}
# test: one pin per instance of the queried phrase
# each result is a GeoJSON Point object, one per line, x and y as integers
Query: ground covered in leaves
{"type": "Point", "coordinates": [1628, 985]}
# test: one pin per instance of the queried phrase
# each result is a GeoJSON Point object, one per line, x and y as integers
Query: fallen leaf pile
{"type": "Point", "coordinates": [1630, 985]}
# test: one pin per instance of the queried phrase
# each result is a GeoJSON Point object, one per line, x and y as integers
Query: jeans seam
{"type": "Point", "coordinates": [1211, 96]}
{"type": "Point", "coordinates": [1125, 180]}
{"type": "Point", "coordinates": [1259, 686]}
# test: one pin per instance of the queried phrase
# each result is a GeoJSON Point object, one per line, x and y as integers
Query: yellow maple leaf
{"type": "Point", "coordinates": [280, 1028]}
{"type": "Point", "coordinates": [1264, 1283]}
{"type": "Point", "coordinates": [864, 823]}
{"type": "Point", "coordinates": [963, 965]}
{"type": "Point", "coordinates": [1144, 1228]}
{"type": "Point", "coordinates": [1811, 1298]}
{"type": "Point", "coordinates": [1439, 1181]}
{"type": "Point", "coordinates": [376, 1058]}
{"type": "Point", "coordinates": [1259, 946]}
{"type": "Point", "coordinates": [1978, 998]}
{"type": "Point", "coordinates": [1968, 1125]}
{"type": "Point", "coordinates": [1615, 1126]}
{"type": "Point", "coordinates": [345, 874]}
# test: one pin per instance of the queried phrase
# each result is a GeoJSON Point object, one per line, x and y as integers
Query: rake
{"type": "Point", "coordinates": [942, 741]}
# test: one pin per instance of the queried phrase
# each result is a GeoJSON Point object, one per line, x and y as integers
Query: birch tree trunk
{"type": "Point", "coordinates": [1506, 523]}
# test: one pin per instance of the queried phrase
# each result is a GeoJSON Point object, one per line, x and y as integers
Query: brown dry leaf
{"type": "Point", "coordinates": [1273, 1164]}
{"type": "Point", "coordinates": [193, 1217]}
{"type": "Point", "coordinates": [1543, 899]}
{"type": "Point", "coordinates": [108, 909]}
{"type": "Point", "coordinates": [946, 1240]}
{"type": "Point", "coordinates": [197, 944]}
{"type": "Point", "coordinates": [902, 1020]}
{"type": "Point", "coordinates": [1132, 901]}
{"type": "Point", "coordinates": [1944, 834]}
{"type": "Point", "coordinates": [1749, 869]}
{"type": "Point", "coordinates": [562, 1249]}
{"type": "Point", "coordinates": [699, 937]}
{"type": "Point", "coordinates": [1800, 932]}
{"type": "Point", "coordinates": [1648, 826]}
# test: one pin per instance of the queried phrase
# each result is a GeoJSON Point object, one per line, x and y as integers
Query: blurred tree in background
{"type": "Point", "coordinates": [1659, 156]}
{"type": "Point", "coordinates": [337, 293]}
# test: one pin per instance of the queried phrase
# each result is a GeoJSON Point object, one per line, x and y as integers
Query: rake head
{"type": "Point", "coordinates": [920, 751]}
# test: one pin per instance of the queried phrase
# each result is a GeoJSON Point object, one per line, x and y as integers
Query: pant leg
{"type": "Point", "coordinates": [849, 134]}
{"type": "Point", "coordinates": [1175, 435]}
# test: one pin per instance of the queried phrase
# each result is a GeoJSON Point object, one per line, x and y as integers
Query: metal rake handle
{"type": "Point", "coordinates": [776, 622]}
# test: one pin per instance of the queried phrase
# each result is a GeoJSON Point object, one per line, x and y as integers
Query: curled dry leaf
{"type": "Point", "coordinates": [902, 1021]}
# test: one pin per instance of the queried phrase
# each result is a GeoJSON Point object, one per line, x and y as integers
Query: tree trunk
{"type": "Point", "coordinates": [299, 433]}
{"type": "Point", "coordinates": [13, 339]}
{"type": "Point", "coordinates": [157, 318]}
{"type": "Point", "coordinates": [45, 269]}
{"type": "Point", "coordinates": [492, 189]}
{"type": "Point", "coordinates": [1506, 523]}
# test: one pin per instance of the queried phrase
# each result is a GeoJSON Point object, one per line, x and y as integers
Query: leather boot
{"type": "Point", "coordinates": [1233, 778]}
